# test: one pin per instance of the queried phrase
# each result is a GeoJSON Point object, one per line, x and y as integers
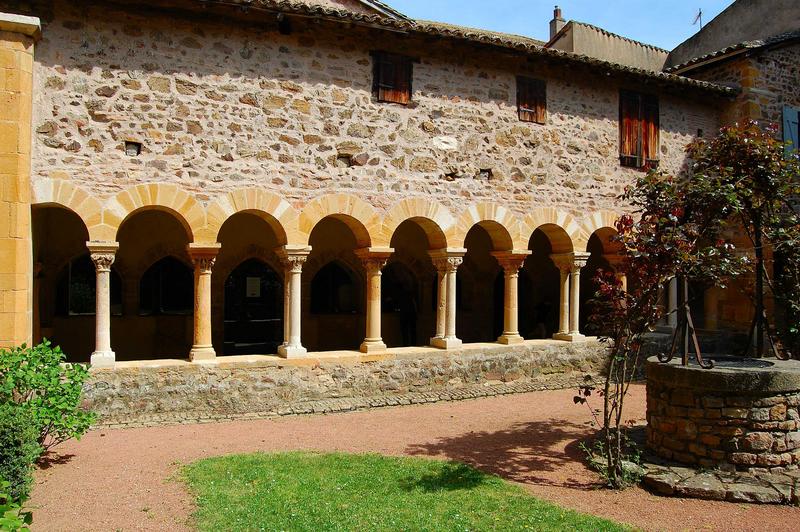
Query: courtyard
{"type": "Point", "coordinates": [130, 479]}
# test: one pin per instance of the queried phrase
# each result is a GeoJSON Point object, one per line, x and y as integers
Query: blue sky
{"type": "Point", "coordinates": [664, 23]}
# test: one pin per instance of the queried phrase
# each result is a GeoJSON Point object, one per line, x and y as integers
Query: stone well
{"type": "Point", "coordinates": [740, 415]}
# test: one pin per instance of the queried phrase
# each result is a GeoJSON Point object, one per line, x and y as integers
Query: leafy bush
{"type": "Point", "coordinates": [12, 517]}
{"type": "Point", "coordinates": [19, 449]}
{"type": "Point", "coordinates": [37, 379]}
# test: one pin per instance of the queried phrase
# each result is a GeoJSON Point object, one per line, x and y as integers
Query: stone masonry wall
{"type": "Point", "coordinates": [268, 386]}
{"type": "Point", "coordinates": [220, 106]}
{"type": "Point", "coordinates": [710, 429]}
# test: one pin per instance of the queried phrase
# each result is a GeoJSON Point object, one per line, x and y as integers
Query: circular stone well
{"type": "Point", "coordinates": [740, 415]}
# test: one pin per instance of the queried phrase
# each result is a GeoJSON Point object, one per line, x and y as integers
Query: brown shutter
{"type": "Point", "coordinates": [531, 100]}
{"type": "Point", "coordinates": [650, 129]}
{"type": "Point", "coordinates": [630, 146]}
{"type": "Point", "coordinates": [402, 81]}
{"type": "Point", "coordinates": [391, 80]}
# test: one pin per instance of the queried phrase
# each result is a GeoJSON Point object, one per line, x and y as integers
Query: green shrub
{"type": "Point", "coordinates": [38, 380]}
{"type": "Point", "coordinates": [12, 517]}
{"type": "Point", "coordinates": [19, 449]}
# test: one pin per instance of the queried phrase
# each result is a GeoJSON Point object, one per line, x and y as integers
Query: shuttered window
{"type": "Point", "coordinates": [638, 130]}
{"type": "Point", "coordinates": [391, 79]}
{"type": "Point", "coordinates": [531, 100]}
{"type": "Point", "coordinates": [791, 118]}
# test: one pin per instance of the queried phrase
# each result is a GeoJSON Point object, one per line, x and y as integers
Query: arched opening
{"type": "Point", "coordinates": [253, 309]}
{"type": "Point", "coordinates": [400, 306]}
{"type": "Point", "coordinates": [602, 248]}
{"type": "Point", "coordinates": [158, 288]}
{"type": "Point", "coordinates": [539, 285]}
{"type": "Point", "coordinates": [333, 287]}
{"type": "Point", "coordinates": [64, 283]}
{"type": "Point", "coordinates": [247, 286]}
{"type": "Point", "coordinates": [480, 309]}
{"type": "Point", "coordinates": [409, 284]}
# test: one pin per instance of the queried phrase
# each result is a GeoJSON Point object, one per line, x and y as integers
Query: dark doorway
{"type": "Point", "coordinates": [400, 306]}
{"type": "Point", "coordinates": [253, 310]}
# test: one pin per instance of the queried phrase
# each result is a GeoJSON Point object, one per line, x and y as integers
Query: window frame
{"type": "Point", "coordinates": [790, 128]}
{"type": "Point", "coordinates": [647, 114]}
{"type": "Point", "coordinates": [382, 86]}
{"type": "Point", "coordinates": [531, 90]}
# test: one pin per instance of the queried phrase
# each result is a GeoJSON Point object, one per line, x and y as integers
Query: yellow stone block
{"type": "Point", "coordinates": [9, 163]}
{"type": "Point", "coordinates": [25, 62]}
{"type": "Point", "coordinates": [9, 138]}
{"type": "Point", "coordinates": [9, 58]}
{"type": "Point", "coordinates": [3, 74]}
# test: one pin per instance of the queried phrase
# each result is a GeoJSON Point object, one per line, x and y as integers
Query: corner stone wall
{"type": "Point", "coordinates": [245, 387]}
{"type": "Point", "coordinates": [751, 426]}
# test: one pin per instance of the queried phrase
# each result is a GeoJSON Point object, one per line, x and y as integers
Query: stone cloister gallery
{"type": "Point", "coordinates": [389, 203]}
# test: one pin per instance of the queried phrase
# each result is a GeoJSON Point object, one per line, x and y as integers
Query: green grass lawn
{"type": "Point", "coordinates": [310, 491]}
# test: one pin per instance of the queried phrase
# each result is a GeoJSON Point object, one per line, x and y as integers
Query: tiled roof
{"type": "Point", "coordinates": [495, 39]}
{"type": "Point", "coordinates": [746, 45]}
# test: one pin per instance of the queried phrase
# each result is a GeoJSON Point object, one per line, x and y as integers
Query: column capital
{"type": "Point", "coordinates": [204, 256]}
{"type": "Point", "coordinates": [374, 258]}
{"type": "Point", "coordinates": [293, 257]}
{"type": "Point", "coordinates": [24, 25]}
{"type": "Point", "coordinates": [447, 259]}
{"type": "Point", "coordinates": [511, 261]}
{"type": "Point", "coordinates": [571, 262]}
{"type": "Point", "coordinates": [102, 254]}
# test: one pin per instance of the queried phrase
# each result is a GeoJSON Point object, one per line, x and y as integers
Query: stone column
{"type": "Point", "coordinates": [564, 264]}
{"type": "Point", "coordinates": [293, 259]}
{"type": "Point", "coordinates": [447, 261]}
{"type": "Point", "coordinates": [203, 257]}
{"type": "Point", "coordinates": [102, 254]}
{"type": "Point", "coordinates": [441, 300]}
{"type": "Point", "coordinates": [578, 262]}
{"type": "Point", "coordinates": [511, 262]}
{"type": "Point", "coordinates": [17, 37]}
{"type": "Point", "coordinates": [374, 261]}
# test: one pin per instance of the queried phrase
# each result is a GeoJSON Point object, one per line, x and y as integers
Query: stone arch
{"type": "Point", "coordinates": [357, 214]}
{"type": "Point", "coordinates": [601, 222]}
{"type": "Point", "coordinates": [82, 203]}
{"type": "Point", "coordinates": [501, 224]}
{"type": "Point", "coordinates": [158, 196]}
{"type": "Point", "coordinates": [270, 207]}
{"type": "Point", "coordinates": [437, 222]}
{"type": "Point", "coordinates": [560, 227]}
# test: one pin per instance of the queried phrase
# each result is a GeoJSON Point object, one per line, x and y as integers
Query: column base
{"type": "Point", "coordinates": [103, 359]}
{"type": "Point", "coordinates": [372, 346]}
{"type": "Point", "coordinates": [202, 353]}
{"type": "Point", "coordinates": [570, 337]}
{"type": "Point", "coordinates": [446, 343]}
{"type": "Point", "coordinates": [509, 339]}
{"type": "Point", "coordinates": [292, 351]}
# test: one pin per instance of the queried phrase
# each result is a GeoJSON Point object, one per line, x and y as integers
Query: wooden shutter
{"type": "Point", "coordinates": [791, 119]}
{"type": "Point", "coordinates": [630, 145]}
{"type": "Point", "coordinates": [650, 128]}
{"type": "Point", "coordinates": [531, 100]}
{"type": "Point", "coordinates": [392, 78]}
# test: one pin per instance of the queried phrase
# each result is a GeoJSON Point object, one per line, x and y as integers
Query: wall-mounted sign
{"type": "Point", "coordinates": [253, 287]}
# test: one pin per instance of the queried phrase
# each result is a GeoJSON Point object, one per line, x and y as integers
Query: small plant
{"type": "Point", "coordinates": [49, 390]}
{"type": "Point", "coordinates": [12, 517]}
{"type": "Point", "coordinates": [19, 449]}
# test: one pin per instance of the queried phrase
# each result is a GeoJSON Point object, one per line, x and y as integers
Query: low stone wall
{"type": "Point", "coordinates": [172, 391]}
{"type": "Point", "coordinates": [733, 418]}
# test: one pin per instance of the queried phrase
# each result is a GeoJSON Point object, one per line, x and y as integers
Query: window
{"type": "Point", "coordinates": [791, 117]}
{"type": "Point", "coordinates": [638, 130]}
{"type": "Point", "coordinates": [333, 291]}
{"type": "Point", "coordinates": [531, 100]}
{"type": "Point", "coordinates": [167, 287]}
{"type": "Point", "coordinates": [76, 287]}
{"type": "Point", "coordinates": [391, 78]}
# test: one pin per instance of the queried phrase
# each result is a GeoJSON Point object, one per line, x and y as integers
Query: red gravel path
{"type": "Point", "coordinates": [124, 479]}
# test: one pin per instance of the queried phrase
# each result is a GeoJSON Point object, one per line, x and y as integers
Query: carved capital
{"type": "Point", "coordinates": [293, 263]}
{"type": "Point", "coordinates": [510, 262]}
{"type": "Point", "coordinates": [204, 263]}
{"type": "Point", "coordinates": [579, 260]}
{"type": "Point", "coordinates": [102, 261]}
{"type": "Point", "coordinates": [374, 259]}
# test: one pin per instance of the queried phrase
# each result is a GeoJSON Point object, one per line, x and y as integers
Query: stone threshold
{"type": "Point", "coordinates": [349, 404]}
{"type": "Point", "coordinates": [339, 357]}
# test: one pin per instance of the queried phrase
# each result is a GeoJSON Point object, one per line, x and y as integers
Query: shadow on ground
{"type": "Point", "coordinates": [524, 453]}
{"type": "Point", "coordinates": [53, 458]}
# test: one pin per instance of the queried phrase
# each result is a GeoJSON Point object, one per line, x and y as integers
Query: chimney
{"type": "Point", "coordinates": [557, 23]}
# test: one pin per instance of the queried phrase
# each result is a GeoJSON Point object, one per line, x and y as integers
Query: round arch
{"type": "Point", "coordinates": [435, 220]}
{"type": "Point", "coordinates": [501, 224]}
{"type": "Point", "coordinates": [155, 196]}
{"type": "Point", "coordinates": [358, 215]}
{"type": "Point", "coordinates": [64, 194]}
{"type": "Point", "coordinates": [271, 208]}
{"type": "Point", "coordinates": [601, 222]}
{"type": "Point", "coordinates": [561, 228]}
